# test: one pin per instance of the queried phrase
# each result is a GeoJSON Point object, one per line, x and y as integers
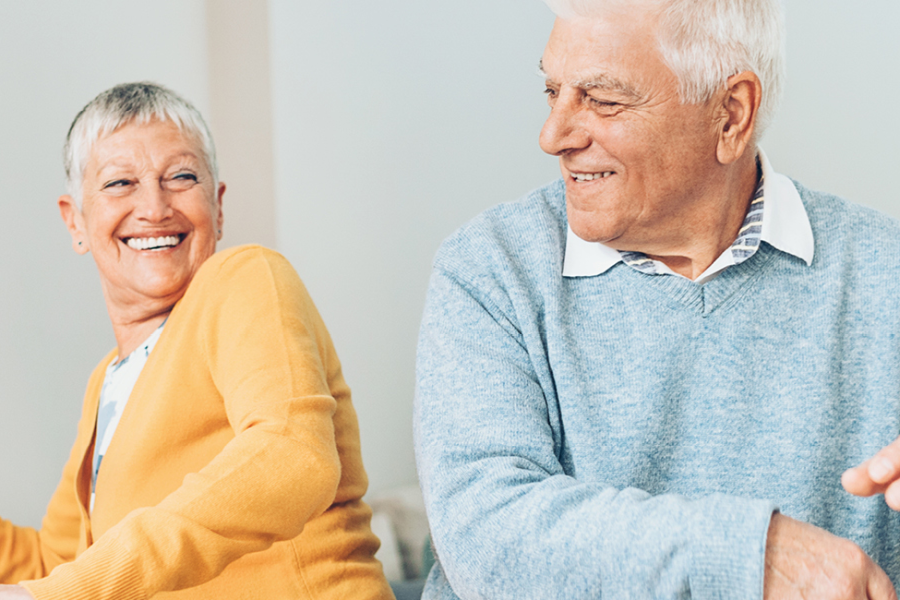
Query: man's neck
{"type": "Point", "coordinates": [717, 228]}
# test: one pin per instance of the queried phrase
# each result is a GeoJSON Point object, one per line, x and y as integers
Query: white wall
{"type": "Point", "coordinates": [393, 123]}
{"type": "Point", "coordinates": [839, 128]}
{"type": "Point", "coordinates": [56, 56]}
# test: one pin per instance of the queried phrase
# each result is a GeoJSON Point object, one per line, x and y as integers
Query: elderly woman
{"type": "Point", "coordinates": [218, 452]}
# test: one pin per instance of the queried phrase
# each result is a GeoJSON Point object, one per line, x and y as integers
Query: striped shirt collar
{"type": "Point", "coordinates": [785, 225]}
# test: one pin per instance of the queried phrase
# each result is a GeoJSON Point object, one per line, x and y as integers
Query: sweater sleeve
{"type": "Point", "coordinates": [263, 344]}
{"type": "Point", "coordinates": [508, 522]}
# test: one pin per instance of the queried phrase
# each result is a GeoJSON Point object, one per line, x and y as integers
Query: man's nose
{"type": "Point", "coordinates": [562, 132]}
{"type": "Point", "coordinates": [154, 203]}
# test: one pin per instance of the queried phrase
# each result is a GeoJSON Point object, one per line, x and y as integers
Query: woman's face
{"type": "Point", "coordinates": [151, 214]}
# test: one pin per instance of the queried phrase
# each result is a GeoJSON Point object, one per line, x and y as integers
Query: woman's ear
{"type": "Point", "coordinates": [74, 220]}
{"type": "Point", "coordinates": [740, 106]}
{"type": "Point", "coordinates": [220, 219]}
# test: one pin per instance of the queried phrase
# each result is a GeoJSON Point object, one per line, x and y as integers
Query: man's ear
{"type": "Point", "coordinates": [74, 220]}
{"type": "Point", "coordinates": [740, 108]}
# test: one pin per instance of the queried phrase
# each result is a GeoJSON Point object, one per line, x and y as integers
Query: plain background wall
{"type": "Point", "coordinates": [54, 57]}
{"type": "Point", "coordinates": [396, 122]}
{"type": "Point", "coordinates": [390, 125]}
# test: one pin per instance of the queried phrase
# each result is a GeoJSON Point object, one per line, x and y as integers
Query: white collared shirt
{"type": "Point", "coordinates": [785, 226]}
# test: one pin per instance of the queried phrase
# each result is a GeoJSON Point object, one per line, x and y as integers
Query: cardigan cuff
{"type": "Point", "coordinates": [108, 575]}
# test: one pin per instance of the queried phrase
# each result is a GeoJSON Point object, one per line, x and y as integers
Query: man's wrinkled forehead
{"type": "Point", "coordinates": [598, 53]}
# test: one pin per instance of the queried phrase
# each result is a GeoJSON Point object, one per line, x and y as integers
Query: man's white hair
{"type": "Point", "coordinates": [128, 103]}
{"type": "Point", "coordinates": [705, 42]}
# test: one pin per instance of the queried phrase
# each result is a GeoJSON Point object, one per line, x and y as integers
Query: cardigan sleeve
{"type": "Point", "coordinates": [507, 520]}
{"type": "Point", "coordinates": [265, 347]}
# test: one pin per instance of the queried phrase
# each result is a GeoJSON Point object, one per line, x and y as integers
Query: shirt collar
{"type": "Point", "coordinates": [785, 226]}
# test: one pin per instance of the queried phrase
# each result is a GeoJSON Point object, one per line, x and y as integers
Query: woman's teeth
{"type": "Point", "coordinates": [590, 176]}
{"type": "Point", "coordinates": [152, 243]}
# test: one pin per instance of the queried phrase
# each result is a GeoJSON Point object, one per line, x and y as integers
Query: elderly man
{"type": "Point", "coordinates": [648, 379]}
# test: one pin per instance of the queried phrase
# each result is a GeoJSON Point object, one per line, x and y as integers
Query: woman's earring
{"type": "Point", "coordinates": [79, 243]}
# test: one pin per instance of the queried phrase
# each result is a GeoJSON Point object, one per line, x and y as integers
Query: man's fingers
{"type": "Point", "coordinates": [876, 475]}
{"type": "Point", "coordinates": [858, 482]}
{"type": "Point", "coordinates": [880, 587]}
{"type": "Point", "coordinates": [892, 495]}
{"type": "Point", "coordinates": [885, 466]}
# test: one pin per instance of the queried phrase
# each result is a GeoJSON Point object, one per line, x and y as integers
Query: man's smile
{"type": "Point", "coordinates": [591, 176]}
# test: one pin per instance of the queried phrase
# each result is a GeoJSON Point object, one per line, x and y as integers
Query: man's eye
{"type": "Point", "coordinates": [604, 106]}
{"type": "Point", "coordinates": [186, 177]}
{"type": "Point", "coordinates": [551, 95]}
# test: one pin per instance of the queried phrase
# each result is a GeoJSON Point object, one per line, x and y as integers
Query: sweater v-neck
{"type": "Point", "coordinates": [704, 299]}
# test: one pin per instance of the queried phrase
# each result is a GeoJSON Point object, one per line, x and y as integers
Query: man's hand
{"type": "Point", "coordinates": [803, 561]}
{"type": "Point", "coordinates": [878, 475]}
{"type": "Point", "coordinates": [14, 592]}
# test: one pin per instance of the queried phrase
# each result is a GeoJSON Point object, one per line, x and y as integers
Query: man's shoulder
{"type": "Point", "coordinates": [854, 244]}
{"type": "Point", "coordinates": [836, 220]}
{"type": "Point", "coordinates": [531, 229]}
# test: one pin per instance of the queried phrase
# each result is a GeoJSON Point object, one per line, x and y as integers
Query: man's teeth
{"type": "Point", "coordinates": [153, 242]}
{"type": "Point", "coordinates": [590, 176]}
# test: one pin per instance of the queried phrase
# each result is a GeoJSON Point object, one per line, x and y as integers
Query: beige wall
{"type": "Point", "coordinates": [241, 117]}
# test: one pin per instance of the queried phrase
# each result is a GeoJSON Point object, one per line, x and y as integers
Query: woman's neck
{"type": "Point", "coordinates": [130, 335]}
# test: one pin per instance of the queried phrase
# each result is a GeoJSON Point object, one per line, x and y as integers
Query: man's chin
{"type": "Point", "coordinates": [594, 225]}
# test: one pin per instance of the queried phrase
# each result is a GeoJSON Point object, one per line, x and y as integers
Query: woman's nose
{"type": "Point", "coordinates": [154, 203]}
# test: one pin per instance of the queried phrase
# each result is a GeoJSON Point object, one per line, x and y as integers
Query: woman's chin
{"type": "Point", "coordinates": [148, 289]}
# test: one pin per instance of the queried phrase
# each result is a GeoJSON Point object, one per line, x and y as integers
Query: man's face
{"type": "Point", "coordinates": [634, 158]}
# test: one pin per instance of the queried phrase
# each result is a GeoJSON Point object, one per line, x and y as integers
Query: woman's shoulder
{"type": "Point", "coordinates": [245, 274]}
{"type": "Point", "coordinates": [246, 265]}
{"type": "Point", "coordinates": [240, 257]}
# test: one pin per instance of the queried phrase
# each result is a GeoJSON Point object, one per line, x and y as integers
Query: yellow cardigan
{"type": "Point", "coordinates": [235, 471]}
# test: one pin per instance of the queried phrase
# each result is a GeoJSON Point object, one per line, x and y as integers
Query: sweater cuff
{"type": "Point", "coordinates": [107, 575]}
{"type": "Point", "coordinates": [729, 553]}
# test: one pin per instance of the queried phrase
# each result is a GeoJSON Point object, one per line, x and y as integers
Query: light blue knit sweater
{"type": "Point", "coordinates": [629, 435]}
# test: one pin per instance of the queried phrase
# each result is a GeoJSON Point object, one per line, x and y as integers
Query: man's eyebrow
{"type": "Point", "coordinates": [600, 81]}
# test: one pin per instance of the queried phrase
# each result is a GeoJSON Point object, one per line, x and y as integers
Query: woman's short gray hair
{"type": "Point", "coordinates": [126, 103]}
{"type": "Point", "coordinates": [705, 42]}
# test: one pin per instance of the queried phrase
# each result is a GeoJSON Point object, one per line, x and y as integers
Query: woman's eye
{"type": "Point", "coordinates": [117, 183]}
{"type": "Point", "coordinates": [182, 181]}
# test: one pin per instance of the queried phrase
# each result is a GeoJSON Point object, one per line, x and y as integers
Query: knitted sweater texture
{"type": "Point", "coordinates": [629, 435]}
{"type": "Point", "coordinates": [235, 471]}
